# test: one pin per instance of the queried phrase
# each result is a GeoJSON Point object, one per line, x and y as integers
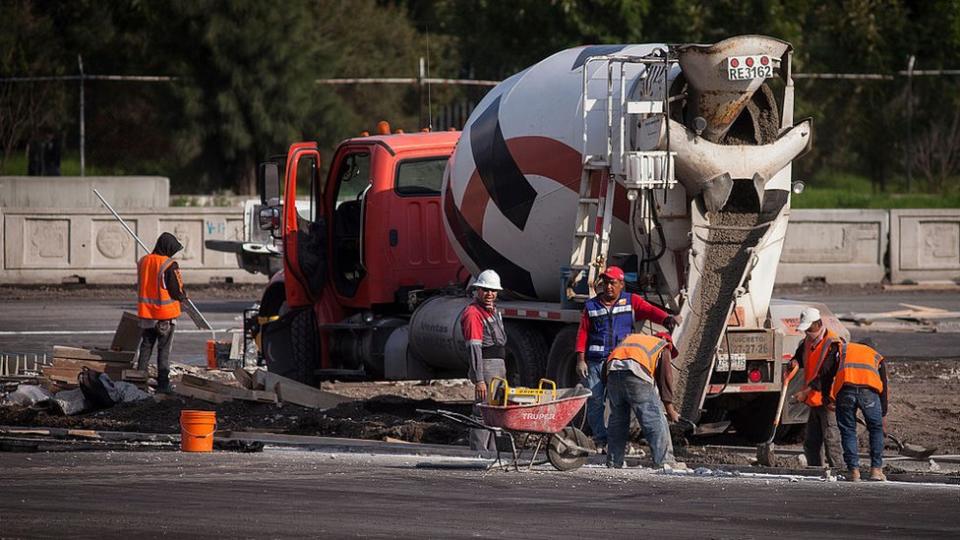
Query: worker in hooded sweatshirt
{"type": "Point", "coordinates": [818, 342]}
{"type": "Point", "coordinates": [856, 377]}
{"type": "Point", "coordinates": [607, 319]}
{"type": "Point", "coordinates": [486, 339]}
{"type": "Point", "coordinates": [159, 293]}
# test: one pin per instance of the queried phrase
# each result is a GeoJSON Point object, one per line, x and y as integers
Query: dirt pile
{"type": "Point", "coordinates": [377, 418]}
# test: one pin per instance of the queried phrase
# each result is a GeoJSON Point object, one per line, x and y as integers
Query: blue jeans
{"type": "Point", "coordinates": [849, 400]}
{"type": "Point", "coordinates": [595, 403]}
{"type": "Point", "coordinates": [627, 392]}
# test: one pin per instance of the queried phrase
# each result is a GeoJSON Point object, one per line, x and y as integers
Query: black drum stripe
{"type": "Point", "coordinates": [595, 50]}
{"type": "Point", "coordinates": [514, 277]}
{"type": "Point", "coordinates": [508, 187]}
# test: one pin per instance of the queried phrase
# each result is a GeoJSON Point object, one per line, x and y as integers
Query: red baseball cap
{"type": "Point", "coordinates": [613, 272]}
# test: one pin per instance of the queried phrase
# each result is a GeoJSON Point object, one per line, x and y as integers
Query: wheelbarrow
{"type": "Point", "coordinates": [544, 423]}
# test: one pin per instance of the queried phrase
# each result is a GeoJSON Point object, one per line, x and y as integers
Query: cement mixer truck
{"type": "Point", "coordinates": [673, 162]}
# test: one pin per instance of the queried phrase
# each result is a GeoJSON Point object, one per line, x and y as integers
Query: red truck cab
{"type": "Point", "coordinates": [373, 232]}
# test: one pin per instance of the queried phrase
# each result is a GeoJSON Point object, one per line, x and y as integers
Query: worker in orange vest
{"type": "Point", "coordinates": [159, 293]}
{"type": "Point", "coordinates": [821, 430]}
{"type": "Point", "coordinates": [857, 379]}
{"type": "Point", "coordinates": [639, 378]}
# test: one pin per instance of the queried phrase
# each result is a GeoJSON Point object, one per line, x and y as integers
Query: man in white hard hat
{"type": "Point", "coordinates": [818, 342]}
{"type": "Point", "coordinates": [486, 340]}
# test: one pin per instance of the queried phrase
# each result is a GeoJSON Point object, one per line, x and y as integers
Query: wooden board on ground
{"type": "Point", "coordinates": [244, 378]}
{"type": "Point", "coordinates": [105, 367]}
{"type": "Point", "coordinates": [127, 336]}
{"type": "Point", "coordinates": [198, 393]}
{"type": "Point", "coordinates": [134, 375]}
{"type": "Point", "coordinates": [291, 391]}
{"type": "Point", "coordinates": [99, 355]}
{"type": "Point", "coordinates": [227, 390]}
{"type": "Point", "coordinates": [69, 374]}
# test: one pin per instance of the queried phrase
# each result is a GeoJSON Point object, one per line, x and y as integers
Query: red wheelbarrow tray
{"type": "Point", "coordinates": [547, 417]}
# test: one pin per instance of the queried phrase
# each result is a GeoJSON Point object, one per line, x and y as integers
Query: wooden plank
{"type": "Point", "coordinates": [127, 336]}
{"type": "Point", "coordinates": [227, 390]}
{"type": "Point", "coordinates": [99, 355]}
{"type": "Point", "coordinates": [92, 364]}
{"type": "Point", "coordinates": [244, 378]}
{"type": "Point", "coordinates": [197, 393]}
{"type": "Point", "coordinates": [134, 375]}
{"type": "Point", "coordinates": [291, 391]}
{"type": "Point", "coordinates": [70, 373]}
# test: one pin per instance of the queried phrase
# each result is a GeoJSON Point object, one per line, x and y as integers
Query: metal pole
{"type": "Point", "coordinates": [83, 141]}
{"type": "Point", "coordinates": [122, 222]}
{"type": "Point", "coordinates": [910, 64]}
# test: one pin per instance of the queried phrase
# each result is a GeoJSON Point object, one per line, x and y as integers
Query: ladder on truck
{"type": "Point", "coordinates": [616, 162]}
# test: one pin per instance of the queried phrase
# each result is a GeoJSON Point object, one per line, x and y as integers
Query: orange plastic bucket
{"type": "Point", "coordinates": [196, 430]}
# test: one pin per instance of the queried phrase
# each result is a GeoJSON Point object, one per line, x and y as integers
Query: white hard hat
{"type": "Point", "coordinates": [808, 316]}
{"type": "Point", "coordinates": [488, 279]}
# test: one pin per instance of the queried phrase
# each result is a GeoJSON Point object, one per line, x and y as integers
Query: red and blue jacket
{"type": "Point", "coordinates": [603, 327]}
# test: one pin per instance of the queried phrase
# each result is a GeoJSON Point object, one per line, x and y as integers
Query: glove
{"type": "Point", "coordinates": [582, 370]}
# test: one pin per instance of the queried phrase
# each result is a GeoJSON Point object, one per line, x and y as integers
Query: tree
{"type": "Point", "coordinates": [28, 47]}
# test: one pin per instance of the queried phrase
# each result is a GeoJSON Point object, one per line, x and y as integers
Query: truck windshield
{"type": "Point", "coordinates": [420, 176]}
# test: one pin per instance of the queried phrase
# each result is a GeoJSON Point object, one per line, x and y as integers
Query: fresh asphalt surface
{"type": "Point", "coordinates": [36, 325]}
{"type": "Point", "coordinates": [306, 494]}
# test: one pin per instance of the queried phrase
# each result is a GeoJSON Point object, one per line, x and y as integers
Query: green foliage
{"type": "Point", "coordinates": [246, 75]}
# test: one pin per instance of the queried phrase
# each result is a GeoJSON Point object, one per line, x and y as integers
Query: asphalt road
{"type": "Point", "coordinates": [36, 325]}
{"type": "Point", "coordinates": [303, 494]}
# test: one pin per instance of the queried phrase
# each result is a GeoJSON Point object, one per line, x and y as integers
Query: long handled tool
{"type": "Point", "coordinates": [904, 448]}
{"type": "Point", "coordinates": [191, 309]}
{"type": "Point", "coordinates": [765, 451]}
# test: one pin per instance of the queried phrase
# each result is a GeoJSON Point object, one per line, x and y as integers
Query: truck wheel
{"type": "Point", "coordinates": [526, 354]}
{"type": "Point", "coordinates": [306, 346]}
{"type": "Point", "coordinates": [754, 421]}
{"type": "Point", "coordinates": [562, 360]}
{"type": "Point", "coordinates": [291, 347]}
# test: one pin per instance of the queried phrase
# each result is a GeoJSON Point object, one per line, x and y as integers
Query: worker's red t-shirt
{"type": "Point", "coordinates": [642, 311]}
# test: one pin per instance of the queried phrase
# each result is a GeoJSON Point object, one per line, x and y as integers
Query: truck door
{"type": "Point", "coordinates": [352, 182]}
{"type": "Point", "coordinates": [304, 232]}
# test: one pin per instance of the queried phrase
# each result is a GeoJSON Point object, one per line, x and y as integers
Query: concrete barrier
{"type": "Point", "coordinates": [924, 245]}
{"type": "Point", "coordinates": [77, 191]}
{"type": "Point", "coordinates": [837, 246]}
{"type": "Point", "coordinates": [49, 245]}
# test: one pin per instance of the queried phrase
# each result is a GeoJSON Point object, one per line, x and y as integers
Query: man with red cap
{"type": "Point", "coordinates": [607, 319]}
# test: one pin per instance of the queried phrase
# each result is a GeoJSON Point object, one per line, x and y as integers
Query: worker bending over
{"type": "Point", "coordinates": [607, 319]}
{"type": "Point", "coordinates": [159, 293]}
{"type": "Point", "coordinates": [821, 428]}
{"type": "Point", "coordinates": [857, 379]}
{"type": "Point", "coordinates": [486, 339]}
{"type": "Point", "coordinates": [639, 378]}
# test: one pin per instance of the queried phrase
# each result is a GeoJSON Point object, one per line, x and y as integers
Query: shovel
{"type": "Point", "coordinates": [765, 451]}
{"type": "Point", "coordinates": [906, 449]}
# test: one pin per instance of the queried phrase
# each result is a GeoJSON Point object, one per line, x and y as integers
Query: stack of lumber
{"type": "Point", "coordinates": [68, 362]}
{"type": "Point", "coordinates": [261, 386]}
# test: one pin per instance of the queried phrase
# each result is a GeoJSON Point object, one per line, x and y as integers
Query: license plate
{"type": "Point", "coordinates": [746, 68]}
{"type": "Point", "coordinates": [737, 360]}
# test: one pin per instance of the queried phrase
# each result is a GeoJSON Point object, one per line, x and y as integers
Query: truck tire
{"type": "Point", "coordinates": [754, 421]}
{"type": "Point", "coordinates": [306, 347]}
{"type": "Point", "coordinates": [562, 359]}
{"type": "Point", "coordinates": [526, 354]}
{"type": "Point", "coordinates": [291, 346]}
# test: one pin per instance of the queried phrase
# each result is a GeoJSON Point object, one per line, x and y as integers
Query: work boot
{"type": "Point", "coordinates": [853, 475]}
{"type": "Point", "coordinates": [876, 475]}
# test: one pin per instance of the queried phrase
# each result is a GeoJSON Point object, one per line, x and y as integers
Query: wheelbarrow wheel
{"type": "Point", "coordinates": [562, 456]}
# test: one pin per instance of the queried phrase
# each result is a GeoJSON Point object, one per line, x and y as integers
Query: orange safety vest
{"type": "Point", "coordinates": [153, 299]}
{"type": "Point", "coordinates": [859, 365]}
{"type": "Point", "coordinates": [813, 358]}
{"type": "Point", "coordinates": [642, 349]}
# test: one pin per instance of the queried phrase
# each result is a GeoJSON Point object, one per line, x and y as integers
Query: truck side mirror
{"type": "Point", "coordinates": [268, 181]}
